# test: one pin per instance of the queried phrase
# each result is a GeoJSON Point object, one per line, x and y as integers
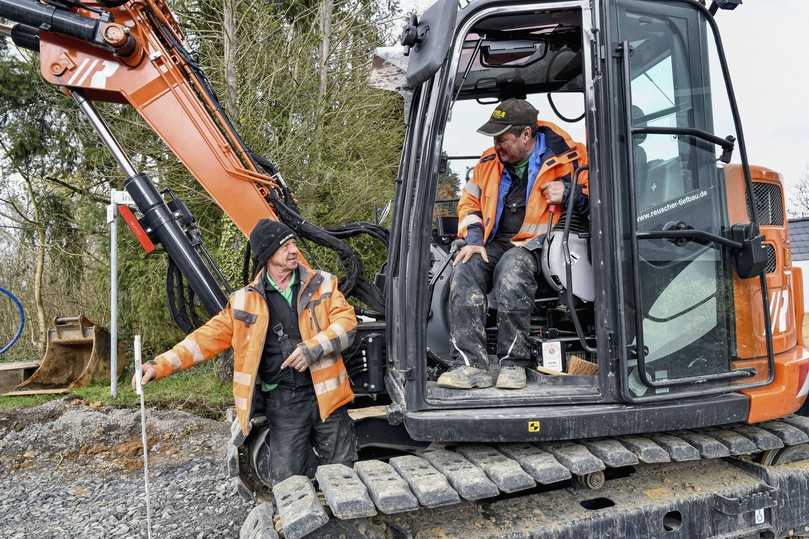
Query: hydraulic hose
{"type": "Point", "coordinates": [21, 313]}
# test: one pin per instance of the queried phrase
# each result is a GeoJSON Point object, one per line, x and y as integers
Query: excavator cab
{"type": "Point", "coordinates": [672, 273]}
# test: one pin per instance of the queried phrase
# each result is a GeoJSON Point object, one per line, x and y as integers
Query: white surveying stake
{"type": "Point", "coordinates": [139, 389]}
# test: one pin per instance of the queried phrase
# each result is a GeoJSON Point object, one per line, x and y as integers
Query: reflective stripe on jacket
{"type": "Point", "coordinates": [481, 195]}
{"type": "Point", "coordinates": [327, 324]}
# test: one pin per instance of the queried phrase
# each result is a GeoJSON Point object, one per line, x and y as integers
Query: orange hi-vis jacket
{"type": "Point", "coordinates": [480, 197]}
{"type": "Point", "coordinates": [327, 325]}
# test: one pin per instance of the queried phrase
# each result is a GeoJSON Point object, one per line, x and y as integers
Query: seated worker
{"type": "Point", "coordinates": [504, 214]}
{"type": "Point", "coordinates": [287, 329]}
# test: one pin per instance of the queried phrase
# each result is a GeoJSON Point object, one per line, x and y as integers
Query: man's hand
{"type": "Point", "coordinates": [297, 360]}
{"type": "Point", "coordinates": [148, 375]}
{"type": "Point", "coordinates": [554, 191]}
{"type": "Point", "coordinates": [467, 251]}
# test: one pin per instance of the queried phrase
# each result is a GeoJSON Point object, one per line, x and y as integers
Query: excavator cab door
{"type": "Point", "coordinates": [680, 128]}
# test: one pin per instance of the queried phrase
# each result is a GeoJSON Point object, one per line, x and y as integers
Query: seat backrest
{"type": "Point", "coordinates": [641, 162]}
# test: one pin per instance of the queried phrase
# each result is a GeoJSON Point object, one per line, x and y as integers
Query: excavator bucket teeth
{"type": "Point", "coordinates": [77, 353]}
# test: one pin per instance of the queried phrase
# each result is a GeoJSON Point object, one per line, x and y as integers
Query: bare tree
{"type": "Point", "coordinates": [230, 60]}
{"type": "Point", "coordinates": [798, 201]}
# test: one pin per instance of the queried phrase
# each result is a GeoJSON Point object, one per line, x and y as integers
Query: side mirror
{"type": "Point", "coordinates": [427, 40]}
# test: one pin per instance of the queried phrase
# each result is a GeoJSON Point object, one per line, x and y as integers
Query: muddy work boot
{"type": "Point", "coordinates": [511, 377]}
{"type": "Point", "coordinates": [465, 378]}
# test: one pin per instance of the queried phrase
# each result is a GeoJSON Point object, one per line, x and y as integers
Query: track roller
{"type": "Point", "coordinates": [590, 481]}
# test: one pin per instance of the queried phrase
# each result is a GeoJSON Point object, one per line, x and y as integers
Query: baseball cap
{"type": "Point", "coordinates": [509, 113]}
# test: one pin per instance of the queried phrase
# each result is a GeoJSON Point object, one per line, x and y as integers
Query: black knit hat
{"type": "Point", "coordinates": [267, 236]}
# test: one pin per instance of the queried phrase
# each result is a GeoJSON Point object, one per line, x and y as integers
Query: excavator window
{"type": "Point", "coordinates": [680, 118]}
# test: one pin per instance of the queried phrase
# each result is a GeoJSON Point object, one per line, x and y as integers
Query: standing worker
{"type": "Point", "coordinates": [505, 211]}
{"type": "Point", "coordinates": [287, 328]}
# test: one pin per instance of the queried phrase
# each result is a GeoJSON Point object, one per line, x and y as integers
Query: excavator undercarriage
{"type": "Point", "coordinates": [734, 481]}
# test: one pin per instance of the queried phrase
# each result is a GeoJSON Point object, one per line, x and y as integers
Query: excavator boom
{"type": "Point", "coordinates": [141, 59]}
{"type": "Point", "coordinates": [134, 52]}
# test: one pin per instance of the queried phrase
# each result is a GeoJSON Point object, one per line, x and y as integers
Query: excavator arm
{"type": "Point", "coordinates": [141, 60]}
{"type": "Point", "coordinates": [134, 52]}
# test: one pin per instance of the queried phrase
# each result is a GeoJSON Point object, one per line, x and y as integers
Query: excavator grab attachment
{"type": "Point", "coordinates": [77, 353]}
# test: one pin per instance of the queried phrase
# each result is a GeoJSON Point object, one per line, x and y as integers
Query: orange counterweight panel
{"type": "Point", "coordinates": [161, 88]}
{"type": "Point", "coordinates": [785, 286]}
{"type": "Point", "coordinates": [787, 393]}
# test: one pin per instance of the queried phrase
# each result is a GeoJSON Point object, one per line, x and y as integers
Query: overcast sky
{"type": "Point", "coordinates": [765, 42]}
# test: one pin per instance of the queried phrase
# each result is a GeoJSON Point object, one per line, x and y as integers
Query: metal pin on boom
{"type": "Point", "coordinates": [139, 389]}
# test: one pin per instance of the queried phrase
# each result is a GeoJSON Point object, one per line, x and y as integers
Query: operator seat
{"type": "Point", "coordinates": [645, 194]}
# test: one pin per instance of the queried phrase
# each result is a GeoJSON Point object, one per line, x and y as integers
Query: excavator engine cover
{"type": "Point", "coordinates": [77, 353]}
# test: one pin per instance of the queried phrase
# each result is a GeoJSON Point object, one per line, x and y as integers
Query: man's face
{"type": "Point", "coordinates": [286, 257]}
{"type": "Point", "coordinates": [513, 148]}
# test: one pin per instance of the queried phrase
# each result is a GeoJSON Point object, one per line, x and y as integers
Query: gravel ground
{"type": "Point", "coordinates": [68, 469]}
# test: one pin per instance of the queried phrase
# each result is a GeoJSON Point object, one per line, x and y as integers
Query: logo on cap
{"type": "Point", "coordinates": [498, 114]}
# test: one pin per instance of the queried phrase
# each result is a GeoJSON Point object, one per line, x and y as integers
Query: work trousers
{"type": "Point", "coordinates": [511, 273]}
{"type": "Point", "coordinates": [298, 440]}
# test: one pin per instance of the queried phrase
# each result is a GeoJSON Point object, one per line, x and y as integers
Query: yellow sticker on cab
{"type": "Point", "coordinates": [533, 426]}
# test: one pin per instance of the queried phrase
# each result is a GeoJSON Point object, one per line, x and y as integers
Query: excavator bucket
{"type": "Point", "coordinates": [77, 353]}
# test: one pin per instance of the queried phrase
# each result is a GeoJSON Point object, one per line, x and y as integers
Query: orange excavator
{"type": "Point", "coordinates": [676, 293]}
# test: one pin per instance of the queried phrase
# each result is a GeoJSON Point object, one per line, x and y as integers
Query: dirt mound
{"type": "Point", "coordinates": [72, 430]}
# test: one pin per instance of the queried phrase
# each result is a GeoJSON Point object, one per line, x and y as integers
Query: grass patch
{"type": "Point", "coordinates": [197, 390]}
{"type": "Point", "coordinates": [12, 403]}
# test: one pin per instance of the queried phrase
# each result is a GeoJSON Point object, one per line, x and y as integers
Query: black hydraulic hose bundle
{"type": "Point", "coordinates": [287, 209]}
{"type": "Point", "coordinates": [354, 283]}
{"type": "Point", "coordinates": [378, 232]}
{"type": "Point", "coordinates": [182, 305]}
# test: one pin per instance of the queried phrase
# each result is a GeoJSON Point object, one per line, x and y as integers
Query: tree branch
{"type": "Point", "coordinates": [82, 192]}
